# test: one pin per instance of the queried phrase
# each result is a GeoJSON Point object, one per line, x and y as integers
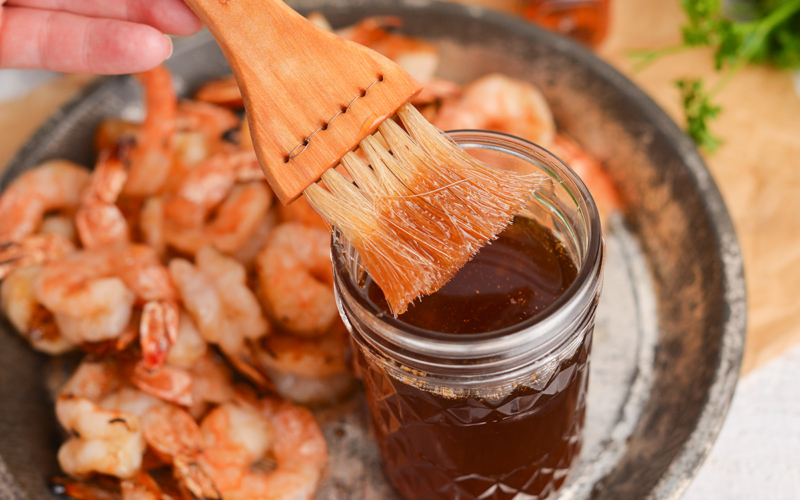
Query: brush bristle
{"type": "Point", "coordinates": [422, 209]}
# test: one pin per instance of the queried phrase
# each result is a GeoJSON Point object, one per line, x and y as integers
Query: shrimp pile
{"type": "Point", "coordinates": [169, 265]}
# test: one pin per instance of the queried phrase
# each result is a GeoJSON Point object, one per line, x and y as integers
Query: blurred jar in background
{"type": "Point", "coordinates": [584, 20]}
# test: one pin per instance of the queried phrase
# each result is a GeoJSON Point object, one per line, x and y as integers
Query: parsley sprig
{"type": "Point", "coordinates": [769, 35]}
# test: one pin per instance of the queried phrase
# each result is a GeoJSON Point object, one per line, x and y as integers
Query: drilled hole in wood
{"type": "Point", "coordinates": [324, 126]}
{"type": "Point", "coordinates": [363, 92]}
{"type": "Point", "coordinates": [343, 109]}
{"type": "Point", "coordinates": [380, 78]}
{"type": "Point", "coordinates": [286, 159]}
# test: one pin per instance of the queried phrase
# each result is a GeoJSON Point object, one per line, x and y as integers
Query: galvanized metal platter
{"type": "Point", "coordinates": [670, 326]}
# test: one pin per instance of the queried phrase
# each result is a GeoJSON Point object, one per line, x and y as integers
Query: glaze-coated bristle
{"type": "Point", "coordinates": [422, 208]}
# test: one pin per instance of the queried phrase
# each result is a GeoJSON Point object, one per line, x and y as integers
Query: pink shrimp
{"type": "Point", "coordinates": [103, 440]}
{"type": "Point", "coordinates": [294, 271]}
{"type": "Point", "coordinates": [308, 371]}
{"type": "Point", "coordinates": [222, 92]}
{"type": "Point", "coordinates": [34, 249]}
{"type": "Point", "coordinates": [497, 102]}
{"type": "Point", "coordinates": [53, 185]}
{"type": "Point", "coordinates": [31, 319]}
{"type": "Point", "coordinates": [238, 435]}
{"type": "Point", "coordinates": [99, 221]}
{"type": "Point", "coordinates": [236, 219]}
{"type": "Point", "coordinates": [591, 172]}
{"type": "Point", "coordinates": [151, 159]}
{"type": "Point", "coordinates": [215, 293]}
{"type": "Point", "coordinates": [91, 293]}
{"type": "Point", "coordinates": [417, 57]}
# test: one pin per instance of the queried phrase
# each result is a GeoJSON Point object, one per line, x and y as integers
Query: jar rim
{"type": "Point", "coordinates": [530, 330]}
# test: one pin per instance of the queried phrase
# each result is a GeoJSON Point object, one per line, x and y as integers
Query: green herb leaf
{"type": "Point", "coordinates": [770, 35]}
{"type": "Point", "coordinates": [699, 110]}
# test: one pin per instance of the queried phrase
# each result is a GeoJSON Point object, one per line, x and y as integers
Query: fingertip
{"type": "Point", "coordinates": [171, 47]}
{"type": "Point", "coordinates": [170, 16]}
{"type": "Point", "coordinates": [188, 26]}
{"type": "Point", "coordinates": [118, 47]}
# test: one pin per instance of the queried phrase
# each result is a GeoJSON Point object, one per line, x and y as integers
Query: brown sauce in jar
{"type": "Point", "coordinates": [518, 445]}
{"type": "Point", "coordinates": [509, 280]}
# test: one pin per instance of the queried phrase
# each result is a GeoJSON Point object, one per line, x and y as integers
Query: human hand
{"type": "Point", "coordinates": [91, 36]}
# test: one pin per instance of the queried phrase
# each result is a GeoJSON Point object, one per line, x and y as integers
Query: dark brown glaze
{"type": "Point", "coordinates": [451, 448]}
{"type": "Point", "coordinates": [510, 280]}
{"type": "Point", "coordinates": [438, 448]}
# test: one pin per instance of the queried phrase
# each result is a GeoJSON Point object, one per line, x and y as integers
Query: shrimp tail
{"type": "Point", "coordinates": [167, 383]}
{"type": "Point", "coordinates": [98, 489]}
{"type": "Point", "coordinates": [194, 480]}
{"type": "Point", "coordinates": [35, 249]}
{"type": "Point", "coordinates": [99, 221]}
{"type": "Point", "coordinates": [158, 331]}
{"type": "Point", "coordinates": [246, 362]}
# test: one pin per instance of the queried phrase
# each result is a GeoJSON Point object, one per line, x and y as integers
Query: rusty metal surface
{"type": "Point", "coordinates": [670, 326]}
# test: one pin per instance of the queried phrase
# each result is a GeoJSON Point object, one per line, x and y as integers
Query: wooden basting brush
{"type": "Point", "coordinates": [422, 206]}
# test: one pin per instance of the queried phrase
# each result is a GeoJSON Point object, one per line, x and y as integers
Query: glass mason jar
{"type": "Point", "coordinates": [492, 415]}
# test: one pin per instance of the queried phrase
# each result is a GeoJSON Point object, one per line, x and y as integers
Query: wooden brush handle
{"type": "Point", "coordinates": [295, 78]}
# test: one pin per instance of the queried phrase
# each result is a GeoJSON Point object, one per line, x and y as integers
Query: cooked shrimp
{"type": "Point", "coordinates": [591, 173]}
{"type": "Point", "coordinates": [215, 121]}
{"type": "Point", "coordinates": [308, 371]}
{"type": "Point", "coordinates": [208, 184]}
{"type": "Point", "coordinates": [237, 436]}
{"type": "Point", "coordinates": [435, 90]}
{"type": "Point", "coordinates": [151, 159]}
{"type": "Point", "coordinates": [30, 318]}
{"type": "Point", "coordinates": [234, 223]}
{"type": "Point", "coordinates": [245, 136]}
{"type": "Point", "coordinates": [92, 293]}
{"type": "Point", "coordinates": [207, 381]}
{"type": "Point", "coordinates": [248, 252]}
{"type": "Point", "coordinates": [99, 221]}
{"type": "Point", "coordinates": [497, 102]}
{"type": "Point", "coordinates": [61, 225]}
{"type": "Point", "coordinates": [295, 279]}
{"type": "Point", "coordinates": [319, 20]}
{"type": "Point", "coordinates": [94, 380]}
{"type": "Point", "coordinates": [151, 224]}
{"type": "Point", "coordinates": [53, 185]}
{"type": "Point", "coordinates": [141, 487]}
{"type": "Point", "coordinates": [170, 431]}
{"type": "Point", "coordinates": [167, 383]}
{"type": "Point", "coordinates": [34, 249]}
{"type": "Point", "coordinates": [103, 441]}
{"type": "Point", "coordinates": [212, 383]}
{"type": "Point", "coordinates": [190, 147]}
{"type": "Point", "coordinates": [130, 400]}
{"type": "Point", "coordinates": [112, 131]}
{"type": "Point", "coordinates": [215, 293]}
{"type": "Point", "coordinates": [189, 346]}
{"type": "Point", "coordinates": [420, 59]}
{"type": "Point", "coordinates": [222, 92]}
{"type": "Point", "coordinates": [239, 208]}
{"type": "Point", "coordinates": [90, 489]}
{"type": "Point", "coordinates": [300, 211]}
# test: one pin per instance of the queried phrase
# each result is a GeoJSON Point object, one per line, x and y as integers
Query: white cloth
{"type": "Point", "coordinates": [757, 453]}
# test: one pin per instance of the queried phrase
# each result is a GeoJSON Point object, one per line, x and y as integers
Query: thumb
{"type": "Point", "coordinates": [59, 41]}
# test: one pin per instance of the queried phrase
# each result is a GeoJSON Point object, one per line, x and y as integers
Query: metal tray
{"type": "Point", "coordinates": [671, 323]}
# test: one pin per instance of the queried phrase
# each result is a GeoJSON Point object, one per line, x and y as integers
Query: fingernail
{"type": "Point", "coordinates": [171, 46]}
